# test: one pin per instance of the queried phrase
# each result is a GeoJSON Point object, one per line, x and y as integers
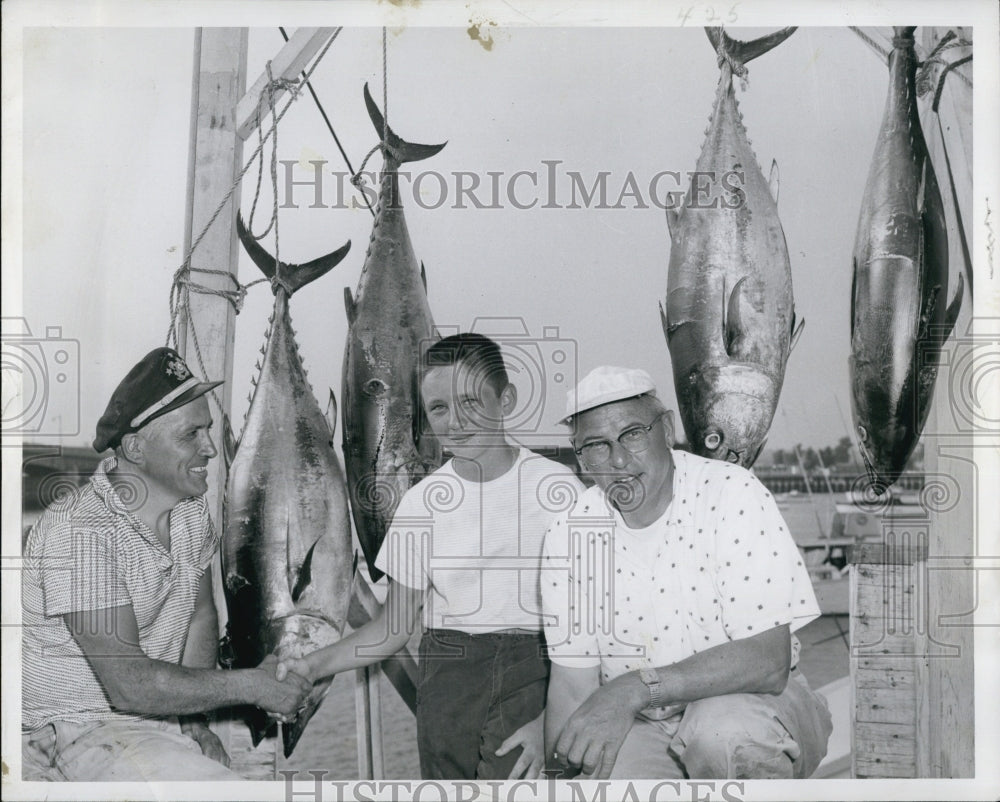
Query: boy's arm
{"type": "Point", "coordinates": [383, 636]}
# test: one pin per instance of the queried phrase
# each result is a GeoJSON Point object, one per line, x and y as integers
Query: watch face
{"type": "Point", "coordinates": [649, 676]}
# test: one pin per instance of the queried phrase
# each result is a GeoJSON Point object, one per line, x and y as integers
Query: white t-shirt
{"type": "Point", "coordinates": [719, 565]}
{"type": "Point", "coordinates": [475, 547]}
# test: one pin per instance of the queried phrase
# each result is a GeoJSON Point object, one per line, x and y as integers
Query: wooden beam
{"type": "Point", "coordinates": [215, 160]}
{"type": "Point", "coordinates": [290, 61]}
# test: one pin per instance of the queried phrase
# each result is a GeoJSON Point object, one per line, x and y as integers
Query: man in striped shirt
{"type": "Point", "coordinates": [120, 628]}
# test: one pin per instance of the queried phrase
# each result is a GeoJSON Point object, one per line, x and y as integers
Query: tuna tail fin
{"type": "Point", "coordinates": [292, 276]}
{"type": "Point", "coordinates": [402, 151]}
{"type": "Point", "coordinates": [742, 52]}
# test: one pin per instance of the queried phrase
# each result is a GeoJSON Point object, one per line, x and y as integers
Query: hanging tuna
{"type": "Point", "coordinates": [287, 555]}
{"type": "Point", "coordinates": [729, 319]}
{"type": "Point", "coordinates": [899, 315]}
{"type": "Point", "coordinates": [387, 446]}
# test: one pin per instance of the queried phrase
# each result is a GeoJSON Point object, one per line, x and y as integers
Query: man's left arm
{"type": "Point", "coordinates": [758, 664]}
{"type": "Point", "coordinates": [201, 650]}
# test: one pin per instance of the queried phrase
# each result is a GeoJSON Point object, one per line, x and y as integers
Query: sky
{"type": "Point", "coordinates": [105, 122]}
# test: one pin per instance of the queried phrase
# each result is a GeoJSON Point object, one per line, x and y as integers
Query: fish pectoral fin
{"type": "Point", "coordinates": [774, 181]}
{"type": "Point", "coordinates": [951, 315]}
{"type": "Point", "coordinates": [796, 332]}
{"type": "Point", "coordinates": [304, 577]}
{"type": "Point", "coordinates": [733, 324]}
{"type": "Point", "coordinates": [927, 314]}
{"type": "Point", "coordinates": [665, 323]}
{"type": "Point", "coordinates": [331, 415]}
{"type": "Point", "coordinates": [854, 291]}
{"type": "Point", "coordinates": [350, 305]}
{"type": "Point", "coordinates": [229, 442]}
{"type": "Point", "coordinates": [423, 276]}
{"type": "Point", "coordinates": [673, 222]}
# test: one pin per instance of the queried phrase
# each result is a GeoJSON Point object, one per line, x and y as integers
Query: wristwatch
{"type": "Point", "coordinates": [651, 679]}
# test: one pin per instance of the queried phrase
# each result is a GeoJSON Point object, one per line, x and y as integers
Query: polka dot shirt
{"type": "Point", "coordinates": [719, 565]}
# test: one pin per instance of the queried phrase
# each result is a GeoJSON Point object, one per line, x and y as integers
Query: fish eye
{"type": "Point", "coordinates": [375, 387]}
{"type": "Point", "coordinates": [712, 440]}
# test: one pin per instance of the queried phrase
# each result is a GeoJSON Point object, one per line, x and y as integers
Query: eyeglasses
{"type": "Point", "coordinates": [634, 440]}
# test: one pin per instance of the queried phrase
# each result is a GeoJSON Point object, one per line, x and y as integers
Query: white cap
{"type": "Point", "coordinates": [604, 385]}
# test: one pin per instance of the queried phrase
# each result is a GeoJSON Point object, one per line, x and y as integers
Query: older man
{"type": "Point", "coordinates": [673, 586]}
{"type": "Point", "coordinates": [120, 630]}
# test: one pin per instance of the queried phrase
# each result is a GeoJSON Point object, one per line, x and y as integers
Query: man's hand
{"type": "Point", "coordinates": [297, 665]}
{"type": "Point", "coordinates": [209, 742]}
{"type": "Point", "coordinates": [595, 732]}
{"type": "Point", "coordinates": [281, 698]}
{"type": "Point", "coordinates": [530, 738]}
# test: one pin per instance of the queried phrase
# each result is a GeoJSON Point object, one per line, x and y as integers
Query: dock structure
{"type": "Point", "coordinates": [223, 115]}
{"type": "Point", "coordinates": [913, 596]}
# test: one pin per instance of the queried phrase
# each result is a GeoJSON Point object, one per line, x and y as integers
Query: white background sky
{"type": "Point", "coordinates": [106, 115]}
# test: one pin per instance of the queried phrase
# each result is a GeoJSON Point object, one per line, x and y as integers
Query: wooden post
{"type": "Point", "coordinates": [888, 653]}
{"type": "Point", "coordinates": [215, 160]}
{"type": "Point", "coordinates": [368, 714]}
{"type": "Point", "coordinates": [952, 438]}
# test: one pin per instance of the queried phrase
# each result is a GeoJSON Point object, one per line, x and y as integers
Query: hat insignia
{"type": "Point", "coordinates": [177, 368]}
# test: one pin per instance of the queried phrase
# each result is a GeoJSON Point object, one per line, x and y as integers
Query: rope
{"type": "Point", "coordinates": [871, 43]}
{"type": "Point", "coordinates": [181, 286]}
{"type": "Point", "coordinates": [333, 133]}
{"type": "Point", "coordinates": [966, 255]}
{"type": "Point", "coordinates": [358, 179]}
{"type": "Point", "coordinates": [948, 41]}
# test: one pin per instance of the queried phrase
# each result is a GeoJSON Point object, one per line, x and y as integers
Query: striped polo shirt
{"type": "Point", "coordinates": [88, 552]}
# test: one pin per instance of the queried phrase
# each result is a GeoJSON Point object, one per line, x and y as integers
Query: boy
{"type": "Point", "coordinates": [464, 548]}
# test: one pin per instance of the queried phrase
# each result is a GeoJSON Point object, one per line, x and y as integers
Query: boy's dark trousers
{"type": "Point", "coordinates": [474, 692]}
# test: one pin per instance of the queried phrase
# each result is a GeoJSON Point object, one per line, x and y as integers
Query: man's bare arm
{"type": "Point", "coordinates": [568, 689]}
{"type": "Point", "coordinates": [201, 650]}
{"type": "Point", "coordinates": [594, 733]}
{"type": "Point", "coordinates": [139, 684]}
{"type": "Point", "coordinates": [383, 636]}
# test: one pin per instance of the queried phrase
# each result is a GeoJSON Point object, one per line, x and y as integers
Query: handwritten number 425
{"type": "Point", "coordinates": [710, 16]}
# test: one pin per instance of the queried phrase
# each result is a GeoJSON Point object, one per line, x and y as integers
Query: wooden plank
{"type": "Point", "coordinates": [885, 706]}
{"type": "Point", "coordinates": [888, 553]}
{"type": "Point", "coordinates": [214, 161]}
{"type": "Point", "coordinates": [873, 637]}
{"type": "Point", "coordinates": [895, 738]}
{"type": "Point", "coordinates": [876, 767]}
{"type": "Point", "coordinates": [888, 678]}
{"type": "Point", "coordinates": [286, 65]}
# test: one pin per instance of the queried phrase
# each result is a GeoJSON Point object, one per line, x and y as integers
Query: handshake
{"type": "Point", "coordinates": [280, 687]}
